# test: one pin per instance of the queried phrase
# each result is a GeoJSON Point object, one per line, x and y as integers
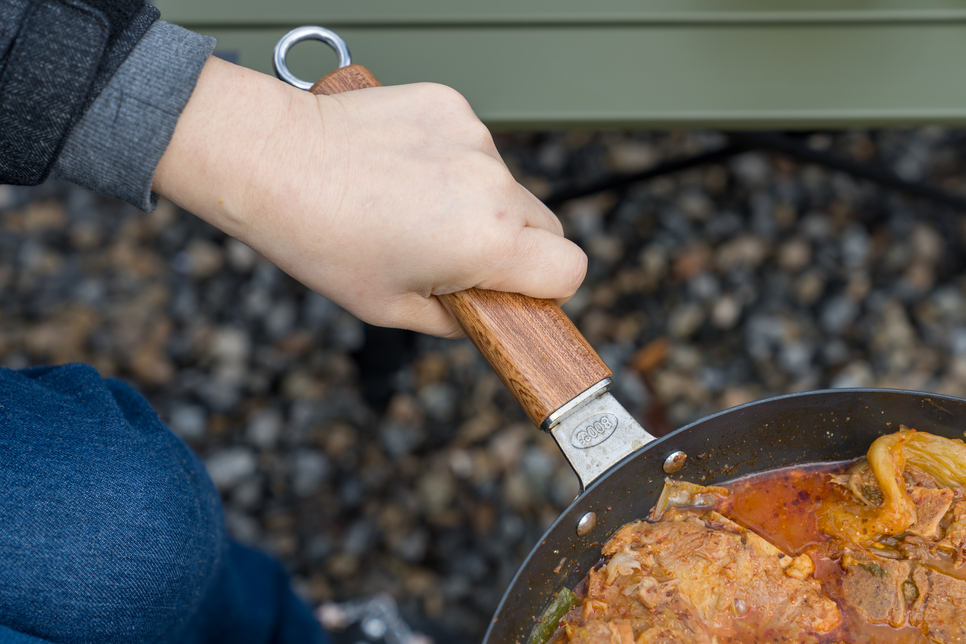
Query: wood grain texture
{"type": "Point", "coordinates": [345, 79]}
{"type": "Point", "coordinates": [532, 345]}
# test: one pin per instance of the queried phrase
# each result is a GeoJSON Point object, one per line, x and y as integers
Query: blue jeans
{"type": "Point", "coordinates": [111, 530]}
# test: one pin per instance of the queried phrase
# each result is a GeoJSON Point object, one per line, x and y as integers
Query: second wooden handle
{"type": "Point", "coordinates": [534, 348]}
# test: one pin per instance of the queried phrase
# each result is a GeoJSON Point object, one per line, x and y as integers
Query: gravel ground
{"type": "Point", "coordinates": [372, 460]}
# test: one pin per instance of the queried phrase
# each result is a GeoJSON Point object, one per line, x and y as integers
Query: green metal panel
{"type": "Point", "coordinates": [517, 12]}
{"type": "Point", "coordinates": [671, 63]}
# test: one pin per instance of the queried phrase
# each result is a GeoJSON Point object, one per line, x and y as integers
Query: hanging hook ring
{"type": "Point", "coordinates": [299, 34]}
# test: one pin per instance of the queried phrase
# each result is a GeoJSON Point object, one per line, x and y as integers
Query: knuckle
{"type": "Point", "coordinates": [555, 226]}
{"type": "Point", "coordinates": [502, 179]}
{"type": "Point", "coordinates": [489, 174]}
{"type": "Point", "coordinates": [479, 133]}
{"type": "Point", "coordinates": [466, 124]}
{"type": "Point", "coordinates": [443, 96]}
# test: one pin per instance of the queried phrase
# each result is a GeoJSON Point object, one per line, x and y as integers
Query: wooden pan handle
{"type": "Point", "coordinates": [531, 344]}
{"type": "Point", "coordinates": [345, 79]}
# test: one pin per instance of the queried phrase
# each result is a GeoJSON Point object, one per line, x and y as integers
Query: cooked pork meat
{"type": "Point", "coordinates": [915, 477]}
{"type": "Point", "coordinates": [954, 540]}
{"type": "Point", "coordinates": [940, 609]}
{"type": "Point", "coordinates": [875, 588]}
{"type": "Point", "coordinates": [890, 592]}
{"type": "Point", "coordinates": [931, 507]}
{"type": "Point", "coordinates": [699, 578]}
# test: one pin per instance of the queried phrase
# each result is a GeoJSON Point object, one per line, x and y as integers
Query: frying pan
{"type": "Point", "coordinates": [830, 425]}
{"type": "Point", "coordinates": [547, 364]}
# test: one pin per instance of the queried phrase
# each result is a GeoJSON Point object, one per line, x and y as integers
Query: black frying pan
{"type": "Point", "coordinates": [830, 425]}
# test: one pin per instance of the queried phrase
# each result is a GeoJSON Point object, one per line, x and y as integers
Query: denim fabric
{"type": "Point", "coordinates": [8, 636]}
{"type": "Point", "coordinates": [252, 601]}
{"type": "Point", "coordinates": [55, 57]}
{"type": "Point", "coordinates": [111, 530]}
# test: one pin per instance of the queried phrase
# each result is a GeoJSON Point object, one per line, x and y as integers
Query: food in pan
{"type": "Point", "coordinates": [870, 551]}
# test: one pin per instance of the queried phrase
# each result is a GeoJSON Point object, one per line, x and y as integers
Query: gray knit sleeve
{"type": "Point", "coordinates": [115, 147]}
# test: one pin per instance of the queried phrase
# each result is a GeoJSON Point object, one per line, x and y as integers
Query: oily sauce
{"type": "Point", "coordinates": [781, 506]}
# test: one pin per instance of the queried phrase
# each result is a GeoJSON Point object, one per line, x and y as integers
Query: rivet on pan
{"type": "Point", "coordinates": [586, 524]}
{"type": "Point", "coordinates": [674, 461]}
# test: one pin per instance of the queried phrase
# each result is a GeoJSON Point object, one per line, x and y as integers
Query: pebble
{"type": "Point", "coordinates": [631, 156]}
{"type": "Point", "coordinates": [243, 527]}
{"type": "Point", "coordinates": [358, 537]}
{"type": "Point", "coordinates": [230, 344]}
{"type": "Point", "coordinates": [605, 248]}
{"type": "Point", "coordinates": [280, 319]}
{"type": "Point", "coordinates": [927, 244]}
{"type": "Point", "coordinates": [239, 256]}
{"type": "Point", "coordinates": [685, 320]}
{"type": "Point", "coordinates": [219, 394]}
{"type": "Point", "coordinates": [439, 400]}
{"type": "Point", "coordinates": [308, 469]}
{"type": "Point", "coordinates": [230, 466]}
{"type": "Point", "coordinates": [794, 255]}
{"type": "Point", "coordinates": [741, 252]}
{"type": "Point", "coordinates": [264, 427]}
{"type": "Point", "coordinates": [347, 334]}
{"type": "Point", "coordinates": [856, 245]}
{"type": "Point", "coordinates": [796, 358]}
{"type": "Point", "coordinates": [838, 313]}
{"type": "Point", "coordinates": [248, 494]}
{"type": "Point", "coordinates": [411, 546]}
{"type": "Point", "coordinates": [201, 259]}
{"type": "Point", "coordinates": [725, 312]}
{"type": "Point", "coordinates": [704, 286]}
{"type": "Point", "coordinates": [854, 374]}
{"type": "Point", "coordinates": [188, 421]}
{"type": "Point", "coordinates": [400, 439]}
{"type": "Point", "coordinates": [751, 168]}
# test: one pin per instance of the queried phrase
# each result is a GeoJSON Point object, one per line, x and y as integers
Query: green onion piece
{"type": "Point", "coordinates": [547, 625]}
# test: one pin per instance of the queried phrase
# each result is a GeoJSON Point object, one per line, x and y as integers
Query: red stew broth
{"type": "Point", "coordinates": [781, 506]}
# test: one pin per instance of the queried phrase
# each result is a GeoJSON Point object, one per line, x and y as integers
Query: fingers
{"type": "Point", "coordinates": [439, 322]}
{"type": "Point", "coordinates": [540, 264]}
{"type": "Point", "coordinates": [422, 314]}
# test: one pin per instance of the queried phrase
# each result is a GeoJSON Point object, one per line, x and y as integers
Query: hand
{"type": "Point", "coordinates": [378, 199]}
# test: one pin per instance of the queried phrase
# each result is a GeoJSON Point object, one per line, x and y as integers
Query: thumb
{"type": "Point", "coordinates": [540, 264]}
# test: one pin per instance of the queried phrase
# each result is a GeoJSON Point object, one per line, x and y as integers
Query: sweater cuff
{"type": "Point", "coordinates": [115, 147]}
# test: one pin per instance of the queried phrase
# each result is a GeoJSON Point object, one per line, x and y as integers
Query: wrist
{"type": "Point", "coordinates": [224, 159]}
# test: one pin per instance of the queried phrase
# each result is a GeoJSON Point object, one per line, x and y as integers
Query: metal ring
{"type": "Point", "coordinates": [299, 34]}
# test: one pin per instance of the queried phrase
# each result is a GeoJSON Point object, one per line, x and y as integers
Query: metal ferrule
{"type": "Point", "coordinates": [587, 395]}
